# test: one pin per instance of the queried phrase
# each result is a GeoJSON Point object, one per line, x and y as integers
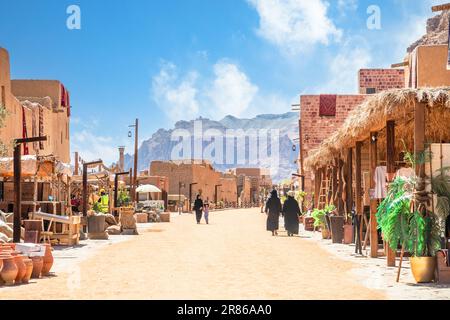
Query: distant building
{"type": "Point", "coordinates": [35, 108]}
{"type": "Point", "coordinates": [251, 182]}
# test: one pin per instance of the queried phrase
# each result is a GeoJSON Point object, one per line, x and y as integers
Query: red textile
{"type": "Point", "coordinates": [24, 132]}
{"type": "Point", "coordinates": [327, 105]}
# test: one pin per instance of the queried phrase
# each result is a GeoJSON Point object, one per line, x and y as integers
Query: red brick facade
{"type": "Point", "coordinates": [376, 80]}
{"type": "Point", "coordinates": [316, 128]}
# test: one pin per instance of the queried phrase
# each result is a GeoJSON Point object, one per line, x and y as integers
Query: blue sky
{"type": "Point", "coordinates": [163, 61]}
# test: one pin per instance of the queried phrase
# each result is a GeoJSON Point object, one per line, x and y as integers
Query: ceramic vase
{"type": "Point", "coordinates": [9, 270]}
{"type": "Point", "coordinates": [48, 260]}
{"type": "Point", "coordinates": [29, 265]}
{"type": "Point", "coordinates": [38, 263]}
{"type": "Point", "coordinates": [21, 268]}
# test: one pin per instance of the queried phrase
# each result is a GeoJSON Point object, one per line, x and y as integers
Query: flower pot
{"type": "Point", "coordinates": [337, 229]}
{"type": "Point", "coordinates": [348, 234]}
{"type": "Point", "coordinates": [21, 268]}
{"type": "Point", "coordinates": [38, 263]}
{"type": "Point", "coordinates": [48, 260]}
{"type": "Point", "coordinates": [423, 268]}
{"type": "Point", "coordinates": [326, 234]}
{"type": "Point", "coordinates": [29, 271]}
{"type": "Point", "coordinates": [9, 270]}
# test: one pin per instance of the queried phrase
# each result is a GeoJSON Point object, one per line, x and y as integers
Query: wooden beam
{"type": "Point", "coordinates": [441, 7]}
{"type": "Point", "coordinates": [358, 178]}
{"type": "Point", "coordinates": [349, 181]}
{"type": "Point", "coordinates": [334, 184]}
{"type": "Point", "coordinates": [17, 193]}
{"type": "Point", "coordinates": [373, 202]}
{"type": "Point", "coordinates": [400, 64]}
{"type": "Point", "coordinates": [317, 182]}
{"type": "Point", "coordinates": [340, 206]}
{"type": "Point", "coordinates": [390, 163]}
{"type": "Point", "coordinates": [419, 136]}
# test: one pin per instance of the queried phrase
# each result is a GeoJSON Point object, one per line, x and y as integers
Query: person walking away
{"type": "Point", "coordinates": [206, 212]}
{"type": "Point", "coordinates": [291, 212]}
{"type": "Point", "coordinates": [198, 207]}
{"type": "Point", "coordinates": [273, 210]}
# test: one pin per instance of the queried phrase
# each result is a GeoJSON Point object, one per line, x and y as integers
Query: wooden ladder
{"type": "Point", "coordinates": [324, 191]}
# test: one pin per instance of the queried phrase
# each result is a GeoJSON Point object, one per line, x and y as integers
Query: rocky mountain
{"type": "Point", "coordinates": [437, 31]}
{"type": "Point", "coordinates": [233, 143]}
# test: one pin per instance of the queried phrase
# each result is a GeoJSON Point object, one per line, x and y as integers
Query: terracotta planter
{"type": "Point", "coordinates": [348, 234]}
{"type": "Point", "coordinates": [29, 271]}
{"type": "Point", "coordinates": [48, 260]}
{"type": "Point", "coordinates": [9, 270]}
{"type": "Point", "coordinates": [326, 234]}
{"type": "Point", "coordinates": [38, 263]}
{"type": "Point", "coordinates": [423, 268]}
{"type": "Point", "coordinates": [22, 268]}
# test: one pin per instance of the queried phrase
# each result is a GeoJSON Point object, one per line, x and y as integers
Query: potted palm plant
{"type": "Point", "coordinates": [405, 219]}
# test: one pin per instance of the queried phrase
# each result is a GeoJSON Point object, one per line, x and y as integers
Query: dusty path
{"type": "Point", "coordinates": [232, 258]}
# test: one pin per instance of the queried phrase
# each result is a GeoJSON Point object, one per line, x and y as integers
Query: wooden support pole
{"type": "Point", "coordinates": [390, 164]}
{"type": "Point", "coordinates": [358, 188]}
{"type": "Point", "coordinates": [340, 206]}
{"type": "Point", "coordinates": [317, 182]}
{"type": "Point", "coordinates": [349, 181]}
{"type": "Point", "coordinates": [76, 170]}
{"type": "Point", "coordinates": [419, 136]}
{"type": "Point", "coordinates": [17, 193]}
{"type": "Point", "coordinates": [334, 180]}
{"type": "Point", "coordinates": [85, 184]}
{"type": "Point", "coordinates": [373, 202]}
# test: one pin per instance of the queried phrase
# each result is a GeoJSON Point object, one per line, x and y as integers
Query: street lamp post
{"type": "Point", "coordinates": [134, 183]}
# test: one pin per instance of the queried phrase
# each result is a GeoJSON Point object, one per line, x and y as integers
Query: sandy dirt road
{"type": "Point", "coordinates": [232, 258]}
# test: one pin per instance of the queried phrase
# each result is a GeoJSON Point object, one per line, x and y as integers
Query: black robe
{"type": "Point", "coordinates": [273, 208]}
{"type": "Point", "coordinates": [198, 207]}
{"type": "Point", "coordinates": [291, 212]}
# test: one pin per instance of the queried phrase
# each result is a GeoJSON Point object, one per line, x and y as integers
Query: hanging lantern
{"type": "Point", "coordinates": [129, 134]}
{"type": "Point", "coordinates": [294, 148]}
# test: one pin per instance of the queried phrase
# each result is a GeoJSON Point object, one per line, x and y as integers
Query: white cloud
{"type": "Point", "coordinates": [93, 146]}
{"type": "Point", "coordinates": [345, 6]}
{"type": "Point", "coordinates": [353, 55]}
{"type": "Point", "coordinates": [225, 90]}
{"type": "Point", "coordinates": [295, 25]}
{"type": "Point", "coordinates": [231, 91]}
{"type": "Point", "coordinates": [176, 97]}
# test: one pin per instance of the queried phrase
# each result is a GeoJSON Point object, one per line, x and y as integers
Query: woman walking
{"type": "Point", "coordinates": [198, 208]}
{"type": "Point", "coordinates": [291, 212]}
{"type": "Point", "coordinates": [273, 210]}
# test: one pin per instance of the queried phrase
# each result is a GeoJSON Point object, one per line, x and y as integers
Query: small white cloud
{"type": "Point", "coordinates": [231, 91]}
{"type": "Point", "coordinates": [353, 55]}
{"type": "Point", "coordinates": [346, 6]}
{"type": "Point", "coordinates": [176, 96]}
{"type": "Point", "coordinates": [295, 25]}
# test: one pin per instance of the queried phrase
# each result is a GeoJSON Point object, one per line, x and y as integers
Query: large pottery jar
{"type": "Point", "coordinates": [423, 268]}
{"type": "Point", "coordinates": [9, 270]}
{"type": "Point", "coordinates": [29, 265]}
{"type": "Point", "coordinates": [48, 260]}
{"type": "Point", "coordinates": [22, 268]}
{"type": "Point", "coordinates": [38, 263]}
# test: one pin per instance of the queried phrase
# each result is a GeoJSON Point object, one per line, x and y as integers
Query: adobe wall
{"type": "Point", "coordinates": [432, 66]}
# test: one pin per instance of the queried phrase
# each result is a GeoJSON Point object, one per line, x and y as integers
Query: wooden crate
{"type": "Point", "coordinates": [141, 217]}
{"type": "Point", "coordinates": [442, 270]}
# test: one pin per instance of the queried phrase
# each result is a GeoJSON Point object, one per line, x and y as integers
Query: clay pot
{"type": "Point", "coordinates": [22, 268]}
{"type": "Point", "coordinates": [9, 270]}
{"type": "Point", "coordinates": [38, 263]}
{"type": "Point", "coordinates": [48, 260]}
{"type": "Point", "coordinates": [29, 265]}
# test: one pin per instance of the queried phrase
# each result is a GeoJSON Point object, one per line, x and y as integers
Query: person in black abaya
{"type": "Point", "coordinates": [198, 208]}
{"type": "Point", "coordinates": [273, 210]}
{"type": "Point", "coordinates": [291, 212]}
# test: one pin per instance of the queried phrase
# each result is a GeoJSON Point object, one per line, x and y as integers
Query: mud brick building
{"type": "Point", "coordinates": [35, 107]}
{"type": "Point", "coordinates": [251, 182]}
{"type": "Point", "coordinates": [198, 174]}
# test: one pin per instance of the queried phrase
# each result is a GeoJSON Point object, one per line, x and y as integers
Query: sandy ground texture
{"type": "Point", "coordinates": [232, 258]}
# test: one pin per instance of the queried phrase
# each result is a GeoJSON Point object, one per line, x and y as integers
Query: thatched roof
{"type": "Point", "coordinates": [372, 114]}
